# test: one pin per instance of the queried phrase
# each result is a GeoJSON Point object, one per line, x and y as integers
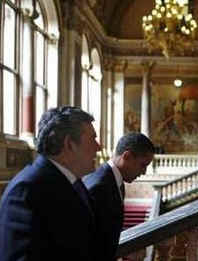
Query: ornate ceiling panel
{"type": "Point", "coordinates": [122, 19]}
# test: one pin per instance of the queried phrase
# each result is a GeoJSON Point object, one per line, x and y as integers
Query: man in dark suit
{"type": "Point", "coordinates": [43, 214]}
{"type": "Point", "coordinates": [134, 152]}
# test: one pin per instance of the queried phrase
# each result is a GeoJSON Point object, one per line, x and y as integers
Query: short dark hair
{"type": "Point", "coordinates": [136, 142]}
{"type": "Point", "coordinates": [55, 124]}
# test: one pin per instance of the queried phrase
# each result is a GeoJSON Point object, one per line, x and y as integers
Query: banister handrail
{"type": "Point", "coordinates": [179, 188]}
{"type": "Point", "coordinates": [178, 179]}
{"type": "Point", "coordinates": [160, 228]}
{"type": "Point", "coordinates": [155, 210]}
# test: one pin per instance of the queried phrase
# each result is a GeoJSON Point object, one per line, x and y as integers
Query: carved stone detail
{"type": "Point", "coordinates": [120, 66]}
{"type": "Point", "coordinates": [147, 66]}
{"type": "Point", "coordinates": [108, 64]}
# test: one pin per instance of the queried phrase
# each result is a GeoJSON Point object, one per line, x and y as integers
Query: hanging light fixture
{"type": "Point", "coordinates": [170, 28]}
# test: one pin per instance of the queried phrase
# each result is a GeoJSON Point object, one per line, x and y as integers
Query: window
{"type": "Point", "coordinates": [85, 62]}
{"type": "Point", "coordinates": [91, 84]}
{"type": "Point", "coordinates": [28, 63]}
{"type": "Point", "coordinates": [9, 68]}
{"type": "Point", "coordinates": [95, 90]}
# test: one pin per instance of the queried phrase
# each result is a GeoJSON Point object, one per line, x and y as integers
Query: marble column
{"type": "Point", "coordinates": [28, 120]}
{"type": "Point", "coordinates": [118, 101]}
{"type": "Point", "coordinates": [107, 108]}
{"type": "Point", "coordinates": [146, 99]}
{"type": "Point", "coordinates": [67, 55]}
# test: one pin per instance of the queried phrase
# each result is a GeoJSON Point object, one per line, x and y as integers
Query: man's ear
{"type": "Point", "coordinates": [68, 143]}
{"type": "Point", "coordinates": [127, 154]}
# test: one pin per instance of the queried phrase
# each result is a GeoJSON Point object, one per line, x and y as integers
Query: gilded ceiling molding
{"type": "Point", "coordinates": [92, 3]}
{"type": "Point", "coordinates": [108, 64]}
{"type": "Point", "coordinates": [27, 13]}
{"type": "Point", "coordinates": [99, 12]}
{"type": "Point", "coordinates": [120, 66]}
{"type": "Point", "coordinates": [86, 14]}
{"type": "Point", "coordinates": [71, 19]}
{"type": "Point", "coordinates": [181, 68]}
{"type": "Point", "coordinates": [119, 47]}
{"type": "Point", "coordinates": [52, 39]}
{"type": "Point", "coordinates": [119, 11]}
{"type": "Point", "coordinates": [147, 66]}
{"type": "Point", "coordinates": [65, 8]}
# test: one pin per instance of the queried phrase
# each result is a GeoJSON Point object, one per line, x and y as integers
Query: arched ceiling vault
{"type": "Point", "coordinates": [123, 18]}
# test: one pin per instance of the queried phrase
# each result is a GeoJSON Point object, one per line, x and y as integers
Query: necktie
{"type": "Point", "coordinates": [122, 190]}
{"type": "Point", "coordinates": [82, 191]}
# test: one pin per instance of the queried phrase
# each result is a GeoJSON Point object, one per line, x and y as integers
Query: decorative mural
{"type": "Point", "coordinates": [175, 118]}
{"type": "Point", "coordinates": [174, 114]}
{"type": "Point", "coordinates": [132, 101]}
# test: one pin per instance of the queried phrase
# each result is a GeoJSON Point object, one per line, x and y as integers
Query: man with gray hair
{"type": "Point", "coordinates": [133, 153]}
{"type": "Point", "coordinates": [45, 212]}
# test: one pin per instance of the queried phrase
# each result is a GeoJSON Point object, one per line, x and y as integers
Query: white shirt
{"type": "Point", "coordinates": [69, 175]}
{"type": "Point", "coordinates": [117, 175]}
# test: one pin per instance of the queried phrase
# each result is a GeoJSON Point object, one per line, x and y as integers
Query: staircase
{"type": "Point", "coordinates": [134, 214]}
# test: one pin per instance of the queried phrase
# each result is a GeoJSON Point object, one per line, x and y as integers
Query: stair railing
{"type": "Point", "coordinates": [155, 210]}
{"type": "Point", "coordinates": [180, 190]}
{"type": "Point", "coordinates": [158, 229]}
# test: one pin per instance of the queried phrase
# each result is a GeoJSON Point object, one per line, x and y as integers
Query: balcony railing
{"type": "Point", "coordinates": [165, 164]}
{"type": "Point", "coordinates": [167, 167]}
{"type": "Point", "coordinates": [174, 163]}
{"type": "Point", "coordinates": [179, 191]}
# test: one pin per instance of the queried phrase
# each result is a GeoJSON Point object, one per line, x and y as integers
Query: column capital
{"type": "Point", "coordinates": [27, 14]}
{"type": "Point", "coordinates": [52, 39]}
{"type": "Point", "coordinates": [120, 66]}
{"type": "Point", "coordinates": [147, 66]}
{"type": "Point", "coordinates": [108, 64]}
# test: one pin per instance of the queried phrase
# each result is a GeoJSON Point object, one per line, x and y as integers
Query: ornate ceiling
{"type": "Point", "coordinates": [122, 19]}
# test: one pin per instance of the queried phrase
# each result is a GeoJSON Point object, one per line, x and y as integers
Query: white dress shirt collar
{"type": "Point", "coordinates": [117, 175]}
{"type": "Point", "coordinates": [69, 175]}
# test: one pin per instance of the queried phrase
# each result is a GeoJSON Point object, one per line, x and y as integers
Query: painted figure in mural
{"type": "Point", "coordinates": [45, 211]}
{"type": "Point", "coordinates": [133, 153]}
{"type": "Point", "coordinates": [179, 122]}
{"type": "Point", "coordinates": [131, 121]}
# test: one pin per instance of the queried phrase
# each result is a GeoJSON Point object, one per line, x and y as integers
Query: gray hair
{"type": "Point", "coordinates": [55, 124]}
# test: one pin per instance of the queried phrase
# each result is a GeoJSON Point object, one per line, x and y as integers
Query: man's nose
{"type": "Point", "coordinates": [98, 147]}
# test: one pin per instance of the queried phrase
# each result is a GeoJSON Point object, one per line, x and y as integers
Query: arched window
{"type": "Point", "coordinates": [28, 63]}
{"type": "Point", "coordinates": [95, 90]}
{"type": "Point", "coordinates": [85, 63]}
{"type": "Point", "coordinates": [91, 83]}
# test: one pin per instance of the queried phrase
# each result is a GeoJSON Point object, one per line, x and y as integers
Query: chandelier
{"type": "Point", "coordinates": [170, 28]}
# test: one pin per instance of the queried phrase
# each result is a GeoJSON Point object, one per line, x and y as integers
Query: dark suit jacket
{"type": "Point", "coordinates": [43, 218]}
{"type": "Point", "coordinates": [109, 208]}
